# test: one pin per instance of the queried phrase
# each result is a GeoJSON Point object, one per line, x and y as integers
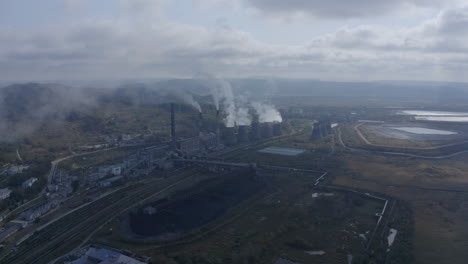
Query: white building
{"type": "Point", "coordinates": [116, 170]}
{"type": "Point", "coordinates": [110, 182]}
{"type": "Point", "coordinates": [112, 169]}
{"type": "Point", "coordinates": [4, 193]}
{"type": "Point", "coordinates": [13, 170]}
{"type": "Point", "coordinates": [29, 182]}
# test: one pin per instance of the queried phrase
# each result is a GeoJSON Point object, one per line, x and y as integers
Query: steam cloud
{"type": "Point", "coordinates": [238, 108]}
{"type": "Point", "coordinates": [180, 95]}
{"type": "Point", "coordinates": [266, 112]}
{"type": "Point", "coordinates": [188, 99]}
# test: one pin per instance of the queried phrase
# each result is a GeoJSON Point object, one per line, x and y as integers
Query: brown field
{"type": "Point", "coordinates": [437, 191]}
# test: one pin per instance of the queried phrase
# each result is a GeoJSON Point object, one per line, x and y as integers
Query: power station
{"type": "Point", "coordinates": [208, 141]}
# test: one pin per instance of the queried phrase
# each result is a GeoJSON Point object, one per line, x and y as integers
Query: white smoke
{"type": "Point", "coordinates": [229, 105]}
{"type": "Point", "coordinates": [243, 117]}
{"type": "Point", "coordinates": [266, 112]}
{"type": "Point", "coordinates": [221, 92]}
{"type": "Point", "coordinates": [237, 108]}
{"type": "Point", "coordinates": [188, 99]}
{"type": "Point", "coordinates": [183, 96]}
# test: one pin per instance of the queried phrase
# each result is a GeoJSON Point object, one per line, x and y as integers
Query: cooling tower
{"type": "Point", "coordinates": [229, 136]}
{"type": "Point", "coordinates": [277, 129]}
{"type": "Point", "coordinates": [267, 130]}
{"type": "Point", "coordinates": [255, 132]}
{"type": "Point", "coordinates": [242, 134]}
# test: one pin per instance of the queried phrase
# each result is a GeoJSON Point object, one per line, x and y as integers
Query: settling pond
{"type": "Point", "coordinates": [424, 131]}
{"type": "Point", "coordinates": [442, 116]}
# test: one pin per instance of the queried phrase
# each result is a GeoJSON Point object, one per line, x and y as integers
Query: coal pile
{"type": "Point", "coordinates": [197, 209]}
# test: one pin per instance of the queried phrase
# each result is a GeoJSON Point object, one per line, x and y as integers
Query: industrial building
{"type": "Point", "coordinates": [28, 183]}
{"type": "Point", "coordinates": [13, 170]}
{"type": "Point", "coordinates": [110, 182]}
{"type": "Point", "coordinates": [189, 146]}
{"type": "Point", "coordinates": [4, 193]}
{"type": "Point", "coordinates": [36, 211]}
{"type": "Point", "coordinates": [101, 255]}
{"type": "Point", "coordinates": [112, 169]}
{"type": "Point", "coordinates": [322, 128]}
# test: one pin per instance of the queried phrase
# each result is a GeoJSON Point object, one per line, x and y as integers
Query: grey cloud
{"type": "Point", "coordinates": [340, 9]}
{"type": "Point", "coordinates": [123, 49]}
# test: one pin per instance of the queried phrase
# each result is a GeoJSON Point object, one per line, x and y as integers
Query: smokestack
{"type": "Point", "coordinates": [173, 125]}
{"type": "Point", "coordinates": [200, 123]}
{"type": "Point", "coordinates": [218, 136]}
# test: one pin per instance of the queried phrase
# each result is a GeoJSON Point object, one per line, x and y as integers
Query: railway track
{"type": "Point", "coordinates": [63, 235]}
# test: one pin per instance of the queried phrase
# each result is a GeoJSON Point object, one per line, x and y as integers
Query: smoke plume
{"type": "Point", "coordinates": [266, 112]}
{"type": "Point", "coordinates": [237, 108]}
{"type": "Point", "coordinates": [188, 99]}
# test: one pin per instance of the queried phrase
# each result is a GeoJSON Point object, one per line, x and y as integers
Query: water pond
{"type": "Point", "coordinates": [424, 131]}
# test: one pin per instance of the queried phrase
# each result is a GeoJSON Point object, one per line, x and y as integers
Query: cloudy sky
{"type": "Point", "coordinates": [331, 40]}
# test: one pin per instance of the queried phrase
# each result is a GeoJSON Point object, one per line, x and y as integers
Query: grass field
{"type": "Point", "coordinates": [437, 190]}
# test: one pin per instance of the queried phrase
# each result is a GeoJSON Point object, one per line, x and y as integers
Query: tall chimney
{"type": "Point", "coordinates": [173, 135]}
{"type": "Point", "coordinates": [218, 136]}
{"type": "Point", "coordinates": [200, 123]}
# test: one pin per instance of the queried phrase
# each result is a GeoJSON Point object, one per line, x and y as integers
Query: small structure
{"type": "Point", "coordinates": [95, 255]}
{"type": "Point", "coordinates": [322, 128]}
{"type": "Point", "coordinates": [190, 145]}
{"type": "Point", "coordinates": [52, 188]}
{"type": "Point", "coordinates": [13, 170]}
{"type": "Point", "coordinates": [4, 193]}
{"type": "Point", "coordinates": [29, 182]}
{"type": "Point", "coordinates": [116, 170]}
{"type": "Point", "coordinates": [110, 182]}
{"type": "Point", "coordinates": [282, 151]}
{"type": "Point", "coordinates": [36, 211]}
{"type": "Point", "coordinates": [149, 210]}
{"type": "Point", "coordinates": [209, 141]}
{"type": "Point", "coordinates": [112, 169]}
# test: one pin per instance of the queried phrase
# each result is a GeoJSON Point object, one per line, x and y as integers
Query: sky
{"type": "Point", "coordinates": [340, 40]}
